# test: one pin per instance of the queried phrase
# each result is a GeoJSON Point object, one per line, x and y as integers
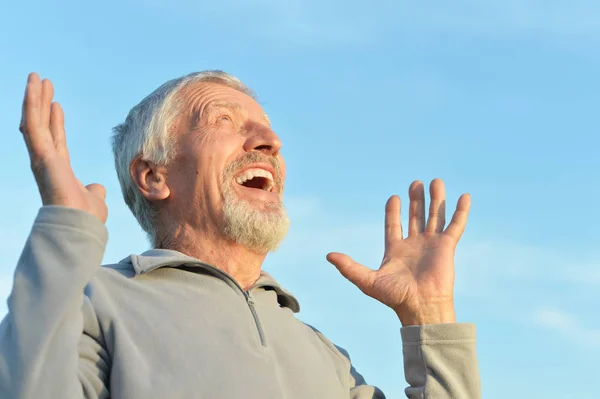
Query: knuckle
{"type": "Point", "coordinates": [28, 127]}
{"type": "Point", "coordinates": [24, 127]}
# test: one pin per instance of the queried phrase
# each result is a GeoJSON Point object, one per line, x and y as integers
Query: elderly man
{"type": "Point", "coordinates": [195, 317]}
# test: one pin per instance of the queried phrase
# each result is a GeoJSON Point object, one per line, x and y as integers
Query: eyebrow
{"type": "Point", "coordinates": [222, 104]}
{"type": "Point", "coordinates": [233, 106]}
{"type": "Point", "coordinates": [267, 119]}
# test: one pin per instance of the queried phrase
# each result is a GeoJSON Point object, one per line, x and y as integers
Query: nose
{"type": "Point", "coordinates": [262, 138]}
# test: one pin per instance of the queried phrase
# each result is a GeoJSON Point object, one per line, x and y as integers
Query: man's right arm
{"type": "Point", "coordinates": [50, 341]}
{"type": "Point", "coordinates": [50, 345]}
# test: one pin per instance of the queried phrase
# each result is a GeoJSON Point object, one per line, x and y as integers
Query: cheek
{"type": "Point", "coordinates": [214, 158]}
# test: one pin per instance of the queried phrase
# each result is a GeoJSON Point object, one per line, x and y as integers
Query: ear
{"type": "Point", "coordinates": [150, 179]}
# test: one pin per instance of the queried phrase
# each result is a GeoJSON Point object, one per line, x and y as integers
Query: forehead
{"type": "Point", "coordinates": [198, 97]}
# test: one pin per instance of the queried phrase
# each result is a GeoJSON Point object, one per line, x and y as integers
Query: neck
{"type": "Point", "coordinates": [242, 265]}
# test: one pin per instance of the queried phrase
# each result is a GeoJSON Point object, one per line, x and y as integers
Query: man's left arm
{"type": "Point", "coordinates": [440, 361]}
{"type": "Point", "coordinates": [416, 280]}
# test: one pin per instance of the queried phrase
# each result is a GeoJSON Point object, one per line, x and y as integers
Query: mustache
{"type": "Point", "coordinates": [253, 158]}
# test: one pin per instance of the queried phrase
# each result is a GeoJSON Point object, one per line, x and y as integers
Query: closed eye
{"type": "Point", "coordinates": [224, 118]}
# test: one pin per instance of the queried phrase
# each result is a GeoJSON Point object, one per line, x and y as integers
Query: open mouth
{"type": "Point", "coordinates": [256, 178]}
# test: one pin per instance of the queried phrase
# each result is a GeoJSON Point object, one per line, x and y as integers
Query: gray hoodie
{"type": "Point", "coordinates": [165, 325]}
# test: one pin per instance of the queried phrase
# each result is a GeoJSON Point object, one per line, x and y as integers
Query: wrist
{"type": "Point", "coordinates": [428, 313]}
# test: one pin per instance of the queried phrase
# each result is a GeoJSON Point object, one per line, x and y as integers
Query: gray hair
{"type": "Point", "coordinates": [146, 134]}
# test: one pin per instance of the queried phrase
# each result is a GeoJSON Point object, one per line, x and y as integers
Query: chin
{"type": "Point", "coordinates": [260, 226]}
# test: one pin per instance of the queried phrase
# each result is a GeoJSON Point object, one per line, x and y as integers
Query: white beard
{"type": "Point", "coordinates": [259, 230]}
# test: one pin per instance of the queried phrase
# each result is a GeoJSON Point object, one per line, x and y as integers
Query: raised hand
{"type": "Point", "coordinates": [416, 277]}
{"type": "Point", "coordinates": [42, 125]}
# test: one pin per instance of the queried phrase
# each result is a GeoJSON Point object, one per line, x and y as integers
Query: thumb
{"type": "Point", "coordinates": [359, 275]}
{"type": "Point", "coordinates": [97, 190]}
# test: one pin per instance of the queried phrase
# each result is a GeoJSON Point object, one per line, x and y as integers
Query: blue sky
{"type": "Point", "coordinates": [497, 98]}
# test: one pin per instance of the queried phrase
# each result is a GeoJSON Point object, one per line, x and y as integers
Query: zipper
{"type": "Point", "coordinates": [250, 302]}
{"type": "Point", "coordinates": [246, 294]}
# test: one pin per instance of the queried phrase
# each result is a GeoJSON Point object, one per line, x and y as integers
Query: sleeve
{"type": "Point", "coordinates": [440, 361]}
{"type": "Point", "coordinates": [50, 341]}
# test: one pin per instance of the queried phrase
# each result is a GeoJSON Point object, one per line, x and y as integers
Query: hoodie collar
{"type": "Point", "coordinates": [156, 258]}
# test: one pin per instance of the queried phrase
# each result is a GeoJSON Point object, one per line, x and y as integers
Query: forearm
{"type": "Point", "coordinates": [39, 337]}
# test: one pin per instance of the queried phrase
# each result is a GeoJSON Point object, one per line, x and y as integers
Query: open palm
{"type": "Point", "coordinates": [416, 277]}
{"type": "Point", "coordinates": [42, 125]}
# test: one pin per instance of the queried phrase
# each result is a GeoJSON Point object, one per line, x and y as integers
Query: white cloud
{"type": "Point", "coordinates": [567, 325]}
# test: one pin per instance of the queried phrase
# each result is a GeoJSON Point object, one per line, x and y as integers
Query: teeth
{"type": "Point", "coordinates": [256, 172]}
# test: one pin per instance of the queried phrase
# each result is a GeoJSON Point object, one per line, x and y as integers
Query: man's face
{"type": "Point", "coordinates": [228, 174]}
